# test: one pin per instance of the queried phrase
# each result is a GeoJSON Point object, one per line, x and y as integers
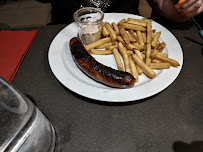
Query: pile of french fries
{"type": "Point", "coordinates": [136, 43]}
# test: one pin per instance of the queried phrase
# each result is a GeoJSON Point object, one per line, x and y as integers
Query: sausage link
{"type": "Point", "coordinates": [97, 71]}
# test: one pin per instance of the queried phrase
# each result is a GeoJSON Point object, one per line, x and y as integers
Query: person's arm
{"type": "Point", "coordinates": [184, 12]}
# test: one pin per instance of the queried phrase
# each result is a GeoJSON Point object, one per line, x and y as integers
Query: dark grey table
{"type": "Point", "coordinates": [170, 121]}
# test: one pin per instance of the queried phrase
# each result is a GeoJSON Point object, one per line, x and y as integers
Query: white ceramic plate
{"type": "Point", "coordinates": [66, 71]}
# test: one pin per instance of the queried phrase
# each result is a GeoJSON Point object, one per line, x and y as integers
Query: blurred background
{"type": "Point", "coordinates": [30, 13]}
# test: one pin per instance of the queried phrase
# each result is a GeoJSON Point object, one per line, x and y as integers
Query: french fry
{"type": "Point", "coordinates": [160, 53]}
{"type": "Point", "coordinates": [105, 45]}
{"type": "Point", "coordinates": [160, 65]}
{"type": "Point", "coordinates": [165, 59]}
{"type": "Point", "coordinates": [140, 20]}
{"type": "Point", "coordinates": [133, 27]}
{"type": "Point", "coordinates": [97, 43]}
{"type": "Point", "coordinates": [124, 54]}
{"type": "Point", "coordinates": [100, 52]}
{"type": "Point", "coordinates": [111, 31]}
{"type": "Point", "coordinates": [130, 46]}
{"type": "Point", "coordinates": [149, 31]}
{"type": "Point", "coordinates": [140, 38]}
{"type": "Point", "coordinates": [112, 47]}
{"type": "Point", "coordinates": [121, 21]}
{"type": "Point", "coordinates": [118, 59]}
{"type": "Point", "coordinates": [132, 33]}
{"type": "Point", "coordinates": [155, 39]}
{"type": "Point", "coordinates": [129, 52]}
{"type": "Point", "coordinates": [132, 39]}
{"type": "Point", "coordinates": [154, 53]}
{"type": "Point", "coordinates": [117, 34]}
{"type": "Point", "coordinates": [143, 56]}
{"type": "Point", "coordinates": [144, 37]}
{"type": "Point", "coordinates": [137, 46]}
{"type": "Point", "coordinates": [152, 34]}
{"type": "Point", "coordinates": [163, 45]}
{"type": "Point", "coordinates": [139, 54]}
{"type": "Point", "coordinates": [105, 33]}
{"type": "Point", "coordinates": [146, 20]}
{"type": "Point", "coordinates": [137, 23]}
{"type": "Point", "coordinates": [160, 46]}
{"type": "Point", "coordinates": [146, 69]}
{"type": "Point", "coordinates": [126, 36]}
{"type": "Point", "coordinates": [148, 53]}
{"type": "Point", "coordinates": [133, 69]}
{"type": "Point", "coordinates": [139, 70]}
{"type": "Point", "coordinates": [120, 39]}
{"type": "Point", "coordinates": [155, 61]}
{"type": "Point", "coordinates": [115, 26]}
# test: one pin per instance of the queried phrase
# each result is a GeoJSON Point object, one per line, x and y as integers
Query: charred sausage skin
{"type": "Point", "coordinates": [97, 71]}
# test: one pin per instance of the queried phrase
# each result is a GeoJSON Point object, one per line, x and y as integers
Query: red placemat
{"type": "Point", "coordinates": [14, 45]}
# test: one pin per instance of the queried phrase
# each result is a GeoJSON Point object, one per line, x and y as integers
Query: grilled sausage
{"type": "Point", "coordinates": [97, 71]}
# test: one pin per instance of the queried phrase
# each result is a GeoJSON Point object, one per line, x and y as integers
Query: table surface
{"type": "Point", "coordinates": [170, 121]}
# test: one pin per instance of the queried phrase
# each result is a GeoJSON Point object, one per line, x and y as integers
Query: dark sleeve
{"type": "Point", "coordinates": [123, 6]}
{"type": "Point", "coordinates": [63, 10]}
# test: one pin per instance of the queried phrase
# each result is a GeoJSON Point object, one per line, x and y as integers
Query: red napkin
{"type": "Point", "coordinates": [13, 48]}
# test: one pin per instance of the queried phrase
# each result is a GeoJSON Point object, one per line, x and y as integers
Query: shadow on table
{"type": "Point", "coordinates": [196, 146]}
